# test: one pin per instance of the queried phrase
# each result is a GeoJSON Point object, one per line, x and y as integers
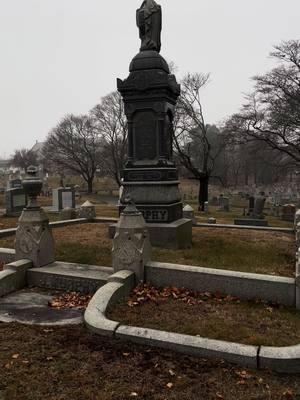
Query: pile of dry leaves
{"type": "Point", "coordinates": [145, 292]}
{"type": "Point", "coordinates": [70, 300]}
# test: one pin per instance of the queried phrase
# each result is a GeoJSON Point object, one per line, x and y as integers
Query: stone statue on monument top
{"type": "Point", "coordinates": [149, 22]}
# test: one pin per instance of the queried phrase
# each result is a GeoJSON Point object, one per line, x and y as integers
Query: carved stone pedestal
{"type": "Point", "coordinates": [34, 240]}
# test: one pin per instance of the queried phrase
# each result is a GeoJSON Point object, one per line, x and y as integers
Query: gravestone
{"type": "Point", "coordinates": [34, 240]}
{"type": "Point", "coordinates": [224, 203]}
{"type": "Point", "coordinates": [256, 217]}
{"type": "Point", "coordinates": [131, 245]}
{"type": "Point", "coordinates": [251, 200]}
{"type": "Point", "coordinates": [206, 209]}
{"type": "Point", "coordinates": [15, 198]}
{"type": "Point", "coordinates": [63, 197]}
{"type": "Point", "coordinates": [150, 176]}
{"type": "Point", "coordinates": [67, 213]}
{"type": "Point", "coordinates": [288, 212]}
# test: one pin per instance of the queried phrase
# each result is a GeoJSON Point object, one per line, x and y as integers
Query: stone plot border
{"type": "Point", "coordinates": [245, 227]}
{"type": "Point", "coordinates": [280, 359]}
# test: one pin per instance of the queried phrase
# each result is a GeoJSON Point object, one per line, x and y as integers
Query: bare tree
{"type": "Point", "coordinates": [74, 145]}
{"type": "Point", "coordinates": [24, 158]}
{"type": "Point", "coordinates": [111, 123]}
{"type": "Point", "coordinates": [197, 144]}
{"type": "Point", "coordinates": [272, 112]}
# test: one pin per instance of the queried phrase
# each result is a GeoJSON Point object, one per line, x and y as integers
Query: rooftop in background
{"type": "Point", "coordinates": [38, 147]}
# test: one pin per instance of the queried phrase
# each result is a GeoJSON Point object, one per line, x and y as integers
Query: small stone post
{"type": "Point", "coordinates": [189, 213]}
{"type": "Point", "coordinates": [87, 210]}
{"type": "Point", "coordinates": [131, 245]}
{"type": "Point", "coordinates": [34, 240]}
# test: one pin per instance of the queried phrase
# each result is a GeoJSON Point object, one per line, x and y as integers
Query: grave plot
{"type": "Point", "coordinates": [209, 315]}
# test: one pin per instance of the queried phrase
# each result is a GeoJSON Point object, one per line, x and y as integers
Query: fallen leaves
{"type": "Point", "coordinates": [70, 300]}
{"type": "Point", "coordinates": [144, 293]}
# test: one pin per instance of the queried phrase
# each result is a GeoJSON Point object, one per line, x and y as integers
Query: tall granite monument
{"type": "Point", "coordinates": [150, 177]}
{"type": "Point", "coordinates": [150, 93]}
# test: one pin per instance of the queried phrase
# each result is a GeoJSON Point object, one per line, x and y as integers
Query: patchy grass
{"type": "Point", "coordinates": [38, 363]}
{"type": "Point", "coordinates": [249, 251]}
{"type": "Point", "coordinates": [211, 316]}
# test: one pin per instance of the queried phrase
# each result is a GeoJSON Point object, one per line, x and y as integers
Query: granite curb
{"type": "Point", "coordinates": [280, 359]}
{"type": "Point", "coordinates": [246, 227]}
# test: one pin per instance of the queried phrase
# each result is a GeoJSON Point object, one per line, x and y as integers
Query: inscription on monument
{"type": "Point", "coordinates": [155, 215]}
{"type": "Point", "coordinates": [144, 132]}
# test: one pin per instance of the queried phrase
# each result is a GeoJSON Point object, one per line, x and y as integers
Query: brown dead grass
{"type": "Point", "coordinates": [69, 363]}
{"type": "Point", "coordinates": [212, 316]}
{"type": "Point", "coordinates": [249, 251]}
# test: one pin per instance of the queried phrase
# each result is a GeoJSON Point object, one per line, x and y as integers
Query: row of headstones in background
{"type": "Point", "coordinates": [15, 198]}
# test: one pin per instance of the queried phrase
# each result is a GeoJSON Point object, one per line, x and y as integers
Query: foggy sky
{"type": "Point", "coordinates": [62, 56]}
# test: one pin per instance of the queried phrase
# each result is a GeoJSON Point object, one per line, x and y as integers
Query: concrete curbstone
{"type": "Point", "coordinates": [243, 285]}
{"type": "Point", "coordinates": [13, 277]}
{"type": "Point", "coordinates": [192, 345]}
{"type": "Point", "coordinates": [105, 297]}
{"type": "Point", "coordinates": [280, 359]}
{"type": "Point", "coordinates": [7, 255]}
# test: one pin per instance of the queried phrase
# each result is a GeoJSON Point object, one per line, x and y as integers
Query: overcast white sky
{"type": "Point", "coordinates": [62, 56]}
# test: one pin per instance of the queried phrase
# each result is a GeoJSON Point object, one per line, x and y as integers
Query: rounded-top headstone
{"type": "Point", "coordinates": [187, 208]}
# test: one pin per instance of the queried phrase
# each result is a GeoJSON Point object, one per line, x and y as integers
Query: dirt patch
{"type": "Point", "coordinates": [70, 363]}
{"type": "Point", "coordinates": [209, 315]}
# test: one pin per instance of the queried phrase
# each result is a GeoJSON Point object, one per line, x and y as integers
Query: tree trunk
{"type": "Point", "coordinates": [203, 192]}
{"type": "Point", "coordinates": [90, 185]}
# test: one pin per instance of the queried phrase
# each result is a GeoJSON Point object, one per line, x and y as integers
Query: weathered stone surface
{"type": "Point", "coordinates": [131, 244]}
{"type": "Point", "coordinates": [176, 235]}
{"type": "Point", "coordinates": [288, 212]}
{"type": "Point", "coordinates": [68, 276]}
{"type": "Point", "coordinates": [34, 240]}
{"type": "Point", "coordinates": [258, 209]}
{"type": "Point", "coordinates": [87, 210]}
{"type": "Point", "coordinates": [297, 217]}
{"type": "Point", "coordinates": [150, 93]}
{"type": "Point", "coordinates": [15, 201]}
{"type": "Point", "coordinates": [196, 346]}
{"type": "Point", "coordinates": [281, 359]}
{"type": "Point", "coordinates": [108, 295]}
{"type": "Point", "coordinates": [31, 307]}
{"type": "Point", "coordinates": [240, 284]}
{"type": "Point", "coordinates": [7, 255]}
{"type": "Point", "coordinates": [67, 214]}
{"type": "Point", "coordinates": [63, 198]}
{"type": "Point", "coordinates": [13, 277]}
{"type": "Point", "coordinates": [189, 213]}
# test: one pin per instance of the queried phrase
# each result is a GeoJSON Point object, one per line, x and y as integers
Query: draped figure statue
{"type": "Point", "coordinates": [149, 21]}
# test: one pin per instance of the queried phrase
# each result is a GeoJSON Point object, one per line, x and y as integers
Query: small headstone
{"type": "Point", "coordinates": [15, 201]}
{"type": "Point", "coordinates": [212, 221]}
{"type": "Point", "coordinates": [131, 245]}
{"type": "Point", "coordinates": [258, 209]}
{"type": "Point", "coordinates": [87, 210]}
{"type": "Point", "coordinates": [189, 213]}
{"type": "Point", "coordinates": [288, 212]}
{"type": "Point", "coordinates": [224, 204]}
{"type": "Point", "coordinates": [251, 200]}
{"type": "Point", "coordinates": [63, 197]}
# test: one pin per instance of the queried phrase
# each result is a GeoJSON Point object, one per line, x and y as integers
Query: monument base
{"type": "Point", "coordinates": [158, 213]}
{"type": "Point", "coordinates": [175, 235]}
{"type": "Point", "coordinates": [250, 222]}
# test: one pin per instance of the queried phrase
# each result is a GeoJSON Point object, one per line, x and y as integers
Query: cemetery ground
{"type": "Point", "coordinates": [247, 251]}
{"type": "Point", "coordinates": [70, 363]}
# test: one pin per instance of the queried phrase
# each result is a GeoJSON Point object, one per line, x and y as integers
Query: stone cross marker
{"type": "Point", "coordinates": [34, 240]}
